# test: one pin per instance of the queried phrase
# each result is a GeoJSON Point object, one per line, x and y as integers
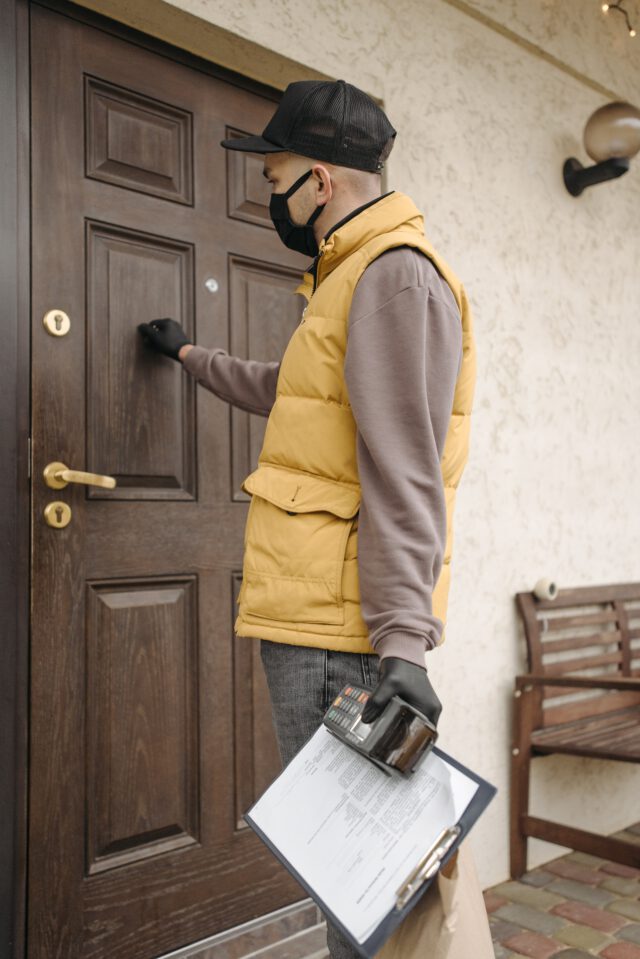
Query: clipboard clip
{"type": "Point", "coordinates": [428, 865]}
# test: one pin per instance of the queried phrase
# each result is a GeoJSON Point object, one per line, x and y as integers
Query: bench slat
{"type": "Point", "coordinates": [581, 662]}
{"type": "Point", "coordinates": [627, 755]}
{"type": "Point", "coordinates": [580, 642]}
{"type": "Point", "coordinates": [594, 723]}
{"type": "Point", "coordinates": [610, 736]}
{"type": "Point", "coordinates": [584, 619]}
{"type": "Point", "coordinates": [568, 711]}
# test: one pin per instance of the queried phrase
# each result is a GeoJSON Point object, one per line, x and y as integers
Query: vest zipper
{"type": "Point", "coordinates": [315, 278]}
{"type": "Point", "coordinates": [315, 274]}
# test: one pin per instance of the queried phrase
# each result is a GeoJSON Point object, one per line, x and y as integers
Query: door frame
{"type": "Point", "coordinates": [15, 412]}
{"type": "Point", "coordinates": [15, 277]}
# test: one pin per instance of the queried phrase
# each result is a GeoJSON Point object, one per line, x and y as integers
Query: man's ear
{"type": "Point", "coordinates": [325, 182]}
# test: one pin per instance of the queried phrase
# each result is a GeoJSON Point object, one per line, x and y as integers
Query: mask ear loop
{"type": "Point", "coordinates": [314, 216]}
{"type": "Point", "coordinates": [297, 184]}
{"type": "Point", "coordinates": [292, 189]}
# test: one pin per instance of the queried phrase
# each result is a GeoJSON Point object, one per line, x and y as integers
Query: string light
{"type": "Point", "coordinates": [617, 5]}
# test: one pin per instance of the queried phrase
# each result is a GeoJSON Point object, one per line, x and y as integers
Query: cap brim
{"type": "Point", "coordinates": [255, 144]}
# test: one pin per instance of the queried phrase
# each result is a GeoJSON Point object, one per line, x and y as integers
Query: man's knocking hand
{"type": "Point", "coordinates": [166, 336]}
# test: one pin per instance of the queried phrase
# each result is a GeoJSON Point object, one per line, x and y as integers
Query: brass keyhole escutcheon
{"type": "Point", "coordinates": [56, 322]}
{"type": "Point", "coordinates": [57, 514]}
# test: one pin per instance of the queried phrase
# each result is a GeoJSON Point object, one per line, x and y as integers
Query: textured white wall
{"type": "Point", "coordinates": [576, 32]}
{"type": "Point", "coordinates": [551, 488]}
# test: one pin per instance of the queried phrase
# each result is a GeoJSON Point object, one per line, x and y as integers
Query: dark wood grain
{"type": "Point", "coordinates": [256, 289]}
{"type": "Point", "coordinates": [151, 726]}
{"type": "Point", "coordinates": [601, 718]}
{"type": "Point", "coordinates": [14, 464]}
{"type": "Point", "coordinates": [569, 682]}
{"type": "Point", "coordinates": [524, 708]}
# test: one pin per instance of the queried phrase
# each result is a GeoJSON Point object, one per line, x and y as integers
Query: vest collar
{"type": "Point", "coordinates": [355, 212]}
{"type": "Point", "coordinates": [389, 213]}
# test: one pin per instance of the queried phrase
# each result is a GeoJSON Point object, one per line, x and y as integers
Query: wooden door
{"type": "Point", "coordinates": [150, 723]}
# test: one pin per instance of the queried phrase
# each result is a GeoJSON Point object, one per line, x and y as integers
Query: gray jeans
{"type": "Point", "coordinates": [303, 681]}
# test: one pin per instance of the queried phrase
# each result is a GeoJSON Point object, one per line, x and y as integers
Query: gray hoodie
{"type": "Point", "coordinates": [404, 350]}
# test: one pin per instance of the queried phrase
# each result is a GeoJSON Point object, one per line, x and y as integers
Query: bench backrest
{"type": "Point", "coordinates": [586, 631]}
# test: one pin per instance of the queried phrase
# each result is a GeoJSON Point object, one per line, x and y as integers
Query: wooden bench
{"type": "Point", "coordinates": [587, 628]}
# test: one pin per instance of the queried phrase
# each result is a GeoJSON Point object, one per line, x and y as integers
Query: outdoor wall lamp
{"type": "Point", "coordinates": [611, 138]}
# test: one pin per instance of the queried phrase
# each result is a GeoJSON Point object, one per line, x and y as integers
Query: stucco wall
{"type": "Point", "coordinates": [489, 97]}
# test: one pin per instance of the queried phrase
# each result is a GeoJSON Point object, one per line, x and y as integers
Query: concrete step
{"type": "Point", "coordinates": [309, 943]}
{"type": "Point", "coordinates": [293, 932]}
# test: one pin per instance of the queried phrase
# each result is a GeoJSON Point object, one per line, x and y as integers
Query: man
{"type": "Point", "coordinates": [348, 536]}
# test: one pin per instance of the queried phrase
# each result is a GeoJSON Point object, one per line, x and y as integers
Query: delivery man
{"type": "Point", "coordinates": [349, 529]}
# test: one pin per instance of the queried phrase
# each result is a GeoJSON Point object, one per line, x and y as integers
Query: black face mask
{"type": "Point", "coordinates": [300, 238]}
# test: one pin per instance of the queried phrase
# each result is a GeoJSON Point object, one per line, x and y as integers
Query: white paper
{"type": "Point", "coordinates": [353, 832]}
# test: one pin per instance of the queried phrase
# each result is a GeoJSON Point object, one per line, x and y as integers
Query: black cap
{"type": "Point", "coordinates": [325, 120]}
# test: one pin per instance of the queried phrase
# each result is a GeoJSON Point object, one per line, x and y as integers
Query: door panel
{"type": "Point", "coordinates": [150, 456]}
{"type": "Point", "coordinates": [142, 767]}
{"type": "Point", "coordinates": [150, 721]}
{"type": "Point", "coordinates": [257, 289]}
{"type": "Point", "coordinates": [138, 142]}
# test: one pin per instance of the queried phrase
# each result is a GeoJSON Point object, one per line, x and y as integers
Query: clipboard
{"type": "Point", "coordinates": [418, 878]}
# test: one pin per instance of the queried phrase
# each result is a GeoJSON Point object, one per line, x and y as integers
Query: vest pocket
{"type": "Point", "coordinates": [295, 544]}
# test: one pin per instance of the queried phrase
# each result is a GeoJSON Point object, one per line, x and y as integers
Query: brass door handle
{"type": "Point", "coordinates": [57, 476]}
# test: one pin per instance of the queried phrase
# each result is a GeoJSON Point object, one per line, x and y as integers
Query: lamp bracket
{"type": "Point", "coordinates": [577, 177]}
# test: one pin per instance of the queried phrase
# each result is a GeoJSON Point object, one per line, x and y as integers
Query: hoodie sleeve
{"type": "Point", "coordinates": [248, 384]}
{"type": "Point", "coordinates": [404, 351]}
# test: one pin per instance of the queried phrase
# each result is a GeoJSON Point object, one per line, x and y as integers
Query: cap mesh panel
{"type": "Point", "coordinates": [341, 124]}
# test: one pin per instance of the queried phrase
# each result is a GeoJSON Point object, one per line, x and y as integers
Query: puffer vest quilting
{"type": "Point", "coordinates": [300, 571]}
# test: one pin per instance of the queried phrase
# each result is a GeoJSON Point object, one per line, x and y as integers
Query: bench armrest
{"type": "Point", "coordinates": [630, 683]}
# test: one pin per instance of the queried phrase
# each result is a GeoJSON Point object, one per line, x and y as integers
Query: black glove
{"type": "Point", "coordinates": [166, 336]}
{"type": "Point", "coordinates": [407, 680]}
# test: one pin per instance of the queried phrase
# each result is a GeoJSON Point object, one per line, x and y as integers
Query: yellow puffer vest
{"type": "Point", "coordinates": [300, 574]}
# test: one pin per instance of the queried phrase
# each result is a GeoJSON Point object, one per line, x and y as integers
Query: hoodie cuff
{"type": "Point", "coordinates": [195, 362]}
{"type": "Point", "coordinates": [408, 646]}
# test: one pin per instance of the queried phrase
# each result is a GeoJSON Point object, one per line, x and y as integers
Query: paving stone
{"type": "Point", "coordinates": [535, 919]}
{"type": "Point", "coordinates": [621, 950]}
{"type": "Point", "coordinates": [574, 870]}
{"type": "Point", "coordinates": [492, 902]}
{"type": "Point", "coordinates": [537, 877]}
{"type": "Point", "coordinates": [583, 937]}
{"type": "Point", "coordinates": [631, 932]}
{"type": "Point", "coordinates": [532, 944]}
{"type": "Point", "coordinates": [586, 859]}
{"type": "Point", "coordinates": [629, 888]}
{"type": "Point", "coordinates": [501, 952]}
{"type": "Point", "coordinates": [570, 889]}
{"type": "Point", "coordinates": [529, 895]}
{"type": "Point", "coordinates": [501, 929]}
{"type": "Point", "coordinates": [619, 869]}
{"type": "Point", "coordinates": [586, 915]}
{"type": "Point", "coordinates": [572, 954]}
{"type": "Point", "coordinates": [627, 835]}
{"type": "Point", "coordinates": [626, 907]}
